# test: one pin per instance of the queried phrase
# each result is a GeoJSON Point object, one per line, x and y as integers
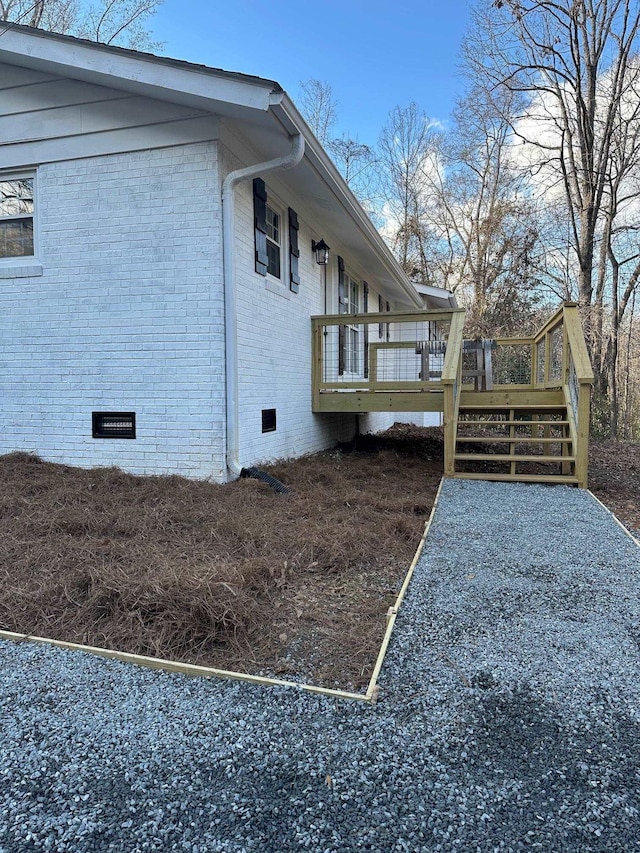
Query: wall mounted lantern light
{"type": "Point", "coordinates": [321, 252]}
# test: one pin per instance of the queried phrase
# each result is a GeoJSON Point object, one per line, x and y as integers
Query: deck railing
{"type": "Point", "coordinates": [577, 379]}
{"type": "Point", "coordinates": [414, 362]}
{"type": "Point", "coordinates": [380, 357]}
{"type": "Point", "coordinates": [555, 357]}
{"type": "Point", "coordinates": [452, 381]}
{"type": "Point", "coordinates": [540, 361]}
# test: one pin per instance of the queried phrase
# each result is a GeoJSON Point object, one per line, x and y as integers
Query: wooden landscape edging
{"type": "Point", "coordinates": [195, 670]}
{"type": "Point", "coordinates": [181, 668]}
{"type": "Point", "coordinates": [392, 615]}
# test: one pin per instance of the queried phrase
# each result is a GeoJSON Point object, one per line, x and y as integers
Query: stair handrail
{"type": "Point", "coordinates": [452, 381]}
{"type": "Point", "coordinates": [453, 353]}
{"type": "Point", "coordinates": [553, 321]}
{"type": "Point", "coordinates": [577, 379]}
{"type": "Point", "coordinates": [577, 345]}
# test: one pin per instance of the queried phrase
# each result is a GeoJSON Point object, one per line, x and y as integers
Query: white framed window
{"type": "Point", "coordinates": [352, 353]}
{"type": "Point", "coordinates": [353, 334]}
{"type": "Point", "coordinates": [274, 242]}
{"type": "Point", "coordinates": [17, 214]}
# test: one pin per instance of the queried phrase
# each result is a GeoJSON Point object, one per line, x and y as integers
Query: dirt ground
{"type": "Point", "coordinates": [614, 477]}
{"type": "Point", "coordinates": [237, 576]}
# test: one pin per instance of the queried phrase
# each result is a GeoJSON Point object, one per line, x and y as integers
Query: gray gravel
{"type": "Point", "coordinates": [509, 715]}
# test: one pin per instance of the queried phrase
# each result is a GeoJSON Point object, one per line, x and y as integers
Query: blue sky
{"type": "Point", "coordinates": [376, 54]}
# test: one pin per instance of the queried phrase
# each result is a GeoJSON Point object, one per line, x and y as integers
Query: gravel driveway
{"type": "Point", "coordinates": [508, 719]}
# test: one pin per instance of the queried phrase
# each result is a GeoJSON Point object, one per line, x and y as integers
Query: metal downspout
{"type": "Point", "coordinates": [229, 270]}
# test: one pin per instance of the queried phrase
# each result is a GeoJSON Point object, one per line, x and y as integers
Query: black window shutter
{"type": "Point", "coordinates": [343, 296]}
{"type": "Point", "coordinates": [365, 308]}
{"type": "Point", "coordinates": [380, 309]}
{"type": "Point", "coordinates": [342, 308]}
{"type": "Point", "coordinates": [294, 252]}
{"type": "Point", "coordinates": [388, 324]}
{"type": "Point", "coordinates": [260, 221]}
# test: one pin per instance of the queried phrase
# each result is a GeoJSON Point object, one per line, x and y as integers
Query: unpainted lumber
{"type": "Point", "coordinates": [182, 668]}
{"type": "Point", "coordinates": [519, 478]}
{"type": "Point", "coordinates": [615, 518]}
{"type": "Point", "coordinates": [373, 688]}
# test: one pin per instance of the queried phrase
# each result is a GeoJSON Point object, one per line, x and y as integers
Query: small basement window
{"type": "Point", "coordinates": [268, 420]}
{"type": "Point", "coordinates": [114, 424]}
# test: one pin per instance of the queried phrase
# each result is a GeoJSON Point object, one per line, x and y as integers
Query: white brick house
{"type": "Point", "coordinates": [155, 309]}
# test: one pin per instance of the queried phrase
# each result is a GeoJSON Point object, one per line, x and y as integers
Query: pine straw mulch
{"type": "Point", "coordinates": [234, 576]}
{"type": "Point", "coordinates": [237, 576]}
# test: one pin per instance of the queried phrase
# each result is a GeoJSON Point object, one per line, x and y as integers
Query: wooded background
{"type": "Point", "coordinates": [531, 194]}
{"type": "Point", "coordinates": [528, 196]}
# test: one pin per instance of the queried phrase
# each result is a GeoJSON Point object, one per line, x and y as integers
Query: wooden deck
{"type": "Point", "coordinates": [533, 423]}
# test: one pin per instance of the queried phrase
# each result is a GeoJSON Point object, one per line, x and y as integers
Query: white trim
{"type": "Point", "coordinates": [132, 71]}
{"type": "Point", "coordinates": [115, 141]}
{"type": "Point", "coordinates": [274, 285]}
{"type": "Point", "coordinates": [29, 269]}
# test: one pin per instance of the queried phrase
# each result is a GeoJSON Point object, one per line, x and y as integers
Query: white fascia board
{"type": "Point", "coordinates": [286, 111]}
{"type": "Point", "coordinates": [436, 292]}
{"type": "Point", "coordinates": [132, 71]}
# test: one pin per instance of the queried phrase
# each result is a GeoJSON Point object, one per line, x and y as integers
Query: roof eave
{"type": "Point", "coordinates": [133, 71]}
{"type": "Point", "coordinates": [292, 121]}
{"type": "Point", "coordinates": [169, 79]}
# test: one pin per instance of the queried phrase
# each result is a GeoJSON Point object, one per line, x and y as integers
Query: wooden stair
{"type": "Point", "coordinates": [514, 436]}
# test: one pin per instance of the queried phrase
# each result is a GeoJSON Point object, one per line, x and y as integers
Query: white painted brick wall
{"type": "Point", "coordinates": [426, 419]}
{"type": "Point", "coordinates": [275, 343]}
{"type": "Point", "coordinates": [274, 338]}
{"type": "Point", "coordinates": [127, 315]}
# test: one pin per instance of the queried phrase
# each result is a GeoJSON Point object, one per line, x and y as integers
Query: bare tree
{"type": "Point", "coordinates": [618, 270]}
{"type": "Point", "coordinates": [629, 375]}
{"type": "Point", "coordinates": [485, 217]}
{"type": "Point", "coordinates": [356, 162]}
{"type": "Point", "coordinates": [574, 65]}
{"type": "Point", "coordinates": [122, 22]}
{"type": "Point", "coordinates": [556, 53]}
{"type": "Point", "coordinates": [354, 159]}
{"type": "Point", "coordinates": [319, 107]}
{"type": "Point", "coordinates": [23, 11]}
{"type": "Point", "coordinates": [408, 144]}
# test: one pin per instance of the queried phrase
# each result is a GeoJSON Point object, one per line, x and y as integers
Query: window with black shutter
{"type": "Point", "coordinates": [381, 310]}
{"type": "Point", "coordinates": [365, 308]}
{"type": "Point", "coordinates": [274, 242]}
{"type": "Point", "coordinates": [343, 308]}
{"type": "Point", "coordinates": [294, 252]}
{"type": "Point", "coordinates": [260, 223]}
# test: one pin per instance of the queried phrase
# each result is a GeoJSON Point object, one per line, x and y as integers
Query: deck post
{"type": "Point", "coordinates": [452, 387]}
{"type": "Point", "coordinates": [584, 377]}
{"type": "Point", "coordinates": [449, 432]}
{"type": "Point", "coordinates": [316, 364]}
{"type": "Point", "coordinates": [581, 452]}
